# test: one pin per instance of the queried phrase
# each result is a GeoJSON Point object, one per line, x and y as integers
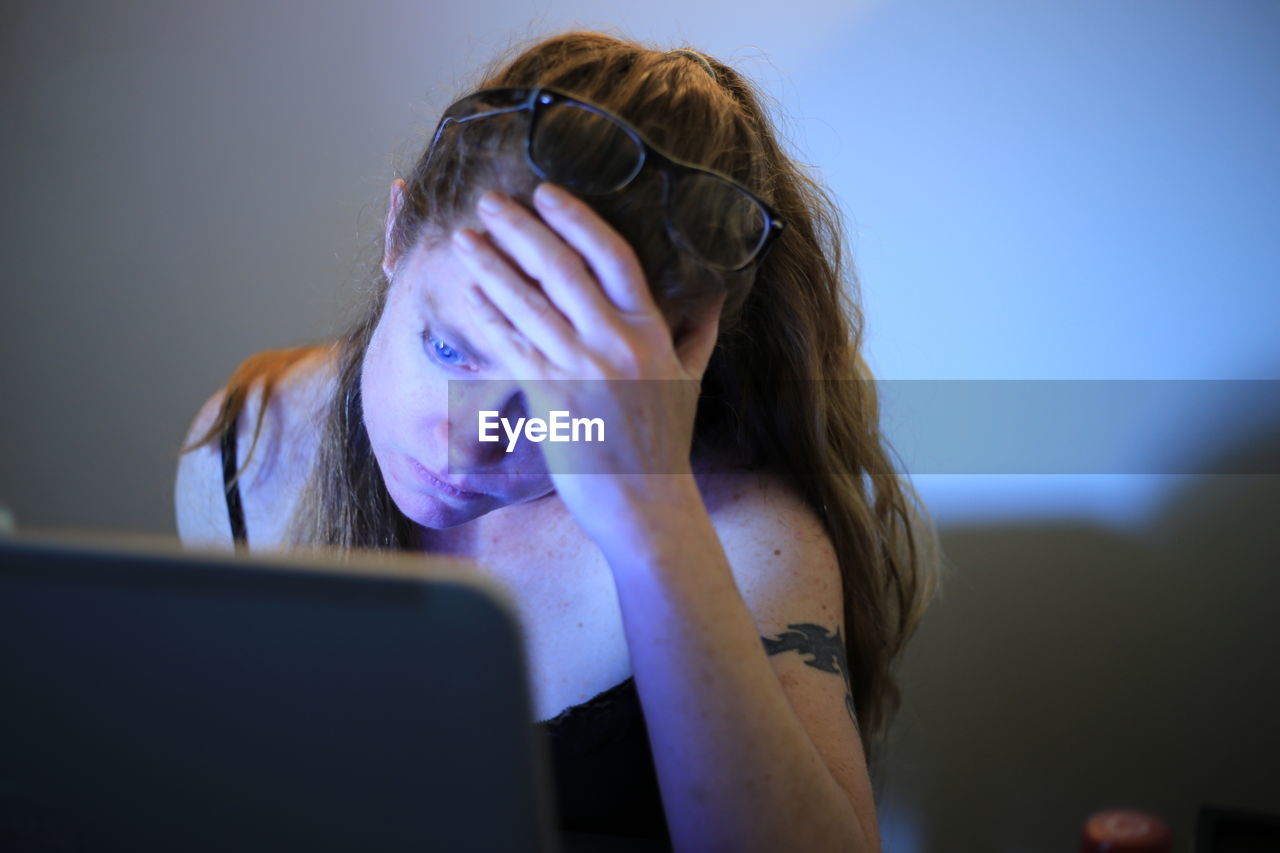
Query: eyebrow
{"type": "Point", "coordinates": [455, 336]}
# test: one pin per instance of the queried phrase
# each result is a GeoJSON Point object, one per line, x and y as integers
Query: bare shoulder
{"type": "Point", "coordinates": [742, 497]}
{"type": "Point", "coordinates": [759, 501]}
{"type": "Point", "coordinates": [275, 465]}
{"type": "Point", "coordinates": [773, 539]}
{"type": "Point", "coordinates": [199, 511]}
{"type": "Point", "coordinates": [292, 424]}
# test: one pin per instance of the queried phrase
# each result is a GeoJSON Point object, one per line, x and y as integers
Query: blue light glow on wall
{"type": "Point", "coordinates": [1059, 191]}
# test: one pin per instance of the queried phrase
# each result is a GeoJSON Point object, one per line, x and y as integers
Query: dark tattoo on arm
{"type": "Point", "coordinates": [826, 648]}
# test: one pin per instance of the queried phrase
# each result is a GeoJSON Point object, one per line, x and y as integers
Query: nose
{"type": "Point", "coordinates": [467, 400]}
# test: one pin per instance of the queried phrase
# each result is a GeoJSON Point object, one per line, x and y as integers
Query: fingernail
{"type": "Point", "coordinates": [492, 202]}
{"type": "Point", "coordinates": [465, 239]}
{"type": "Point", "coordinates": [548, 195]}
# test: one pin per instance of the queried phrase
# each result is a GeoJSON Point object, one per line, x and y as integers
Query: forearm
{"type": "Point", "coordinates": [735, 765]}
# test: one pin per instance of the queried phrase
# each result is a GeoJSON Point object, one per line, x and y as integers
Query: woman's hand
{"type": "Point", "coordinates": [562, 304]}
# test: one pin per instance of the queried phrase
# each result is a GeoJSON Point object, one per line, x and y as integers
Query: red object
{"type": "Point", "coordinates": [1125, 831]}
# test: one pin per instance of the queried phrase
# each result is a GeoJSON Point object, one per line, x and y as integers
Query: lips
{"type": "Point", "coordinates": [440, 485]}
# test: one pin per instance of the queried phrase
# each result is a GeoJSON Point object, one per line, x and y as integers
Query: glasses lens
{"type": "Point", "coordinates": [716, 220]}
{"type": "Point", "coordinates": [583, 150]}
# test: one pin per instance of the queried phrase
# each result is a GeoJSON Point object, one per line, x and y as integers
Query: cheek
{"type": "Point", "coordinates": [377, 383]}
{"type": "Point", "coordinates": [371, 395]}
{"type": "Point", "coordinates": [401, 394]}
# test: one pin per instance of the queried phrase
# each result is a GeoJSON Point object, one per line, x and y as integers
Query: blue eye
{"type": "Point", "coordinates": [444, 353]}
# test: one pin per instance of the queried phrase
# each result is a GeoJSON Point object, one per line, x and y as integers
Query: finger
{"type": "Point", "coordinates": [507, 344]}
{"type": "Point", "coordinates": [521, 302]}
{"type": "Point", "coordinates": [548, 259]}
{"type": "Point", "coordinates": [606, 252]}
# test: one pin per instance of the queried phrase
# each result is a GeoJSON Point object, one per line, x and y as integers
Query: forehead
{"type": "Point", "coordinates": [433, 276]}
{"type": "Point", "coordinates": [435, 282]}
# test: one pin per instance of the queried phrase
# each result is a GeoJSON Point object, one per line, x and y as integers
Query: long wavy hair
{"type": "Point", "coordinates": [786, 391]}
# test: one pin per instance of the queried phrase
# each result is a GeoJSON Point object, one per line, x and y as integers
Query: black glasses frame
{"type": "Point", "coordinates": [538, 98]}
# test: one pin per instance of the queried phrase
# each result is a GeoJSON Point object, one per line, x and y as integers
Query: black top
{"type": "Point", "coordinates": [605, 781]}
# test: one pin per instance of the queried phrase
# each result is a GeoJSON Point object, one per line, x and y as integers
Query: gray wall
{"type": "Point", "coordinates": [186, 184]}
{"type": "Point", "coordinates": [1073, 667]}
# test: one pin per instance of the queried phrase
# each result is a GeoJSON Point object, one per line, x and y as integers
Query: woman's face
{"type": "Point", "coordinates": [426, 449]}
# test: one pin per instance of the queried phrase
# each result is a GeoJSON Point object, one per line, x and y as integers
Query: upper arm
{"type": "Point", "coordinates": [787, 571]}
{"type": "Point", "coordinates": [199, 498]}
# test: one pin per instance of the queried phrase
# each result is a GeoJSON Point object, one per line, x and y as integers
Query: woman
{"type": "Point", "coordinates": [712, 613]}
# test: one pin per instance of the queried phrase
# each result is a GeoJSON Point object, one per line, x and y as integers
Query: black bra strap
{"type": "Point", "coordinates": [234, 508]}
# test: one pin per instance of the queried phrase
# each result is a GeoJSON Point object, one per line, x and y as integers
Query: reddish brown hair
{"type": "Point", "coordinates": [789, 351]}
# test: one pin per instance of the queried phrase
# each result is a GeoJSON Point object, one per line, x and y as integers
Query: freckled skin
{"type": "Point", "coordinates": [405, 398]}
{"type": "Point", "coordinates": [405, 402]}
{"type": "Point", "coordinates": [826, 650]}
